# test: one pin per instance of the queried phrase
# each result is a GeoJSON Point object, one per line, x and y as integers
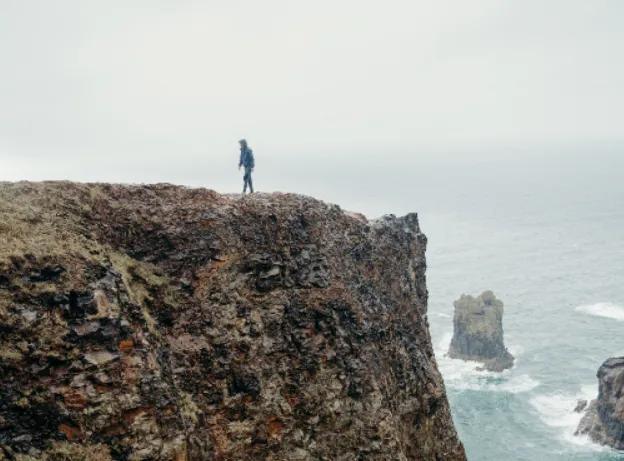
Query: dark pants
{"type": "Point", "coordinates": [248, 181]}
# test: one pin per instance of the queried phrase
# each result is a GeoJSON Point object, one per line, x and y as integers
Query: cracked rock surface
{"type": "Point", "coordinates": [166, 323]}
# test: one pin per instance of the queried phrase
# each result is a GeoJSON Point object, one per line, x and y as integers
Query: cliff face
{"type": "Point", "coordinates": [478, 332]}
{"type": "Point", "coordinates": [604, 419]}
{"type": "Point", "coordinates": [166, 323]}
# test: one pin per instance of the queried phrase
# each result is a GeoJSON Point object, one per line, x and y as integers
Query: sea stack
{"type": "Point", "coordinates": [166, 323]}
{"type": "Point", "coordinates": [478, 332]}
{"type": "Point", "coordinates": [604, 419]}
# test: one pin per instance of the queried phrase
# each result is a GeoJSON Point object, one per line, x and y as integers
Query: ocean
{"type": "Point", "coordinates": [548, 238]}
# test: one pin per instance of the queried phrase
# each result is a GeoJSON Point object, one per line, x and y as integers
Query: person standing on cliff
{"type": "Point", "coordinates": [247, 161]}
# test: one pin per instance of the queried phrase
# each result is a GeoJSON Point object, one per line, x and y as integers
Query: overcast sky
{"type": "Point", "coordinates": [153, 90]}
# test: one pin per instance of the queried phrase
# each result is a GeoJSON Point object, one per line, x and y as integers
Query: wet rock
{"type": "Point", "coordinates": [581, 405]}
{"type": "Point", "coordinates": [188, 325]}
{"type": "Point", "coordinates": [603, 421]}
{"type": "Point", "coordinates": [478, 332]}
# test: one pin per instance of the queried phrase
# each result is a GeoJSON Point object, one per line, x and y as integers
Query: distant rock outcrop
{"type": "Point", "coordinates": [478, 332]}
{"type": "Point", "coordinates": [165, 323]}
{"type": "Point", "coordinates": [604, 419]}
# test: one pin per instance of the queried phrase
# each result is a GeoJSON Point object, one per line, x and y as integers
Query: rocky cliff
{"type": "Point", "coordinates": [604, 419]}
{"type": "Point", "coordinates": [166, 323]}
{"type": "Point", "coordinates": [478, 332]}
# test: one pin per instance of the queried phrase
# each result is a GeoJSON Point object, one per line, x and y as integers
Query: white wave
{"type": "Point", "coordinates": [608, 310]}
{"type": "Point", "coordinates": [463, 375]}
{"type": "Point", "coordinates": [517, 384]}
{"type": "Point", "coordinates": [443, 344]}
{"type": "Point", "coordinates": [557, 411]}
{"type": "Point", "coordinates": [515, 349]}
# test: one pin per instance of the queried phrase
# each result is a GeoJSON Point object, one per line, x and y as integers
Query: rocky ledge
{"type": "Point", "coordinates": [478, 332]}
{"type": "Point", "coordinates": [603, 421]}
{"type": "Point", "coordinates": [166, 323]}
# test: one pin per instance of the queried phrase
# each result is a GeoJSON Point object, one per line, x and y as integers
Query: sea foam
{"type": "Point", "coordinates": [463, 375]}
{"type": "Point", "coordinates": [557, 411]}
{"type": "Point", "coordinates": [608, 310]}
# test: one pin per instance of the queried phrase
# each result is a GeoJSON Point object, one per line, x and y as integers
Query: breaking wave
{"type": "Point", "coordinates": [463, 375]}
{"type": "Point", "coordinates": [557, 411]}
{"type": "Point", "coordinates": [608, 310]}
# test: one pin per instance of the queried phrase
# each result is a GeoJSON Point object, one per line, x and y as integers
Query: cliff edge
{"type": "Point", "coordinates": [166, 323]}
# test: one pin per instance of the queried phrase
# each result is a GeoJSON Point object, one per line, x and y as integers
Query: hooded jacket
{"type": "Point", "coordinates": [246, 158]}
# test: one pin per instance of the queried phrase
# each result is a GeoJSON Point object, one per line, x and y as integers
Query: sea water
{"type": "Point", "coordinates": [551, 247]}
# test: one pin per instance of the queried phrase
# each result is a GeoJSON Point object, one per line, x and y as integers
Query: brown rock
{"type": "Point", "coordinates": [126, 345]}
{"type": "Point", "coordinates": [197, 326]}
{"type": "Point", "coordinates": [71, 433]}
{"type": "Point", "coordinates": [275, 428]}
{"type": "Point", "coordinates": [75, 399]}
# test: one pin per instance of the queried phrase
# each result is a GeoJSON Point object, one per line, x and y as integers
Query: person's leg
{"type": "Point", "coordinates": [250, 183]}
{"type": "Point", "coordinates": [245, 184]}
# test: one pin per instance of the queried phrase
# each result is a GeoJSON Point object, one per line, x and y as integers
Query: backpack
{"type": "Point", "coordinates": [249, 159]}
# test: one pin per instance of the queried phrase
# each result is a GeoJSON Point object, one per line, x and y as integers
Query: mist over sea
{"type": "Point", "coordinates": [547, 237]}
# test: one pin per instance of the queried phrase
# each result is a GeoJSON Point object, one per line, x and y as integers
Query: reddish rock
{"type": "Point", "coordinates": [75, 400]}
{"type": "Point", "coordinates": [71, 433]}
{"type": "Point", "coordinates": [126, 345]}
{"type": "Point", "coordinates": [161, 322]}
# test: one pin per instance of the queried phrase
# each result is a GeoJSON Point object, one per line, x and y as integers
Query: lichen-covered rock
{"type": "Point", "coordinates": [604, 418]}
{"type": "Point", "coordinates": [478, 332]}
{"type": "Point", "coordinates": [166, 323]}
